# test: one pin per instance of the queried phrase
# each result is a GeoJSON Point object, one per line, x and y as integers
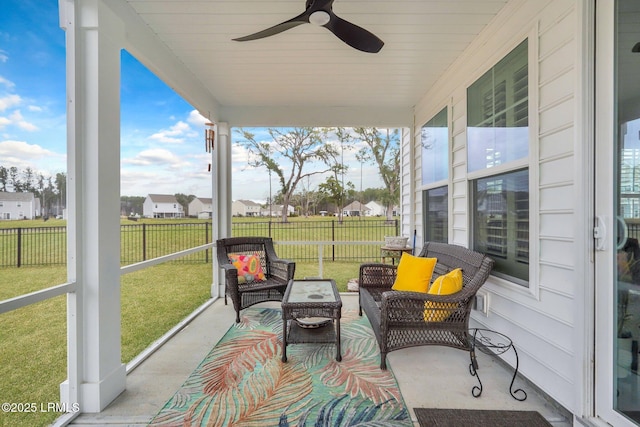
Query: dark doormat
{"type": "Point", "coordinates": [478, 418]}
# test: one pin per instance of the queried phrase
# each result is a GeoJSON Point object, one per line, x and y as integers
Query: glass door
{"type": "Point", "coordinates": [618, 210]}
{"type": "Point", "coordinates": [627, 203]}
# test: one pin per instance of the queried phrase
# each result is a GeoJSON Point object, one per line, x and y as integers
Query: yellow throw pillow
{"type": "Point", "coordinates": [446, 284]}
{"type": "Point", "coordinates": [414, 273]}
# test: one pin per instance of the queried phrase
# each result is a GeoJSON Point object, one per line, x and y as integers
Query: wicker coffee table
{"type": "Point", "coordinates": [311, 311]}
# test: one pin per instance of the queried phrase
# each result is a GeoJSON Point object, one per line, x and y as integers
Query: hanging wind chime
{"type": "Point", "coordinates": [209, 137]}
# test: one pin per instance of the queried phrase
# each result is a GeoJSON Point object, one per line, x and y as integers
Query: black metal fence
{"type": "Point", "coordinates": [308, 240]}
{"type": "Point", "coordinates": [33, 246]}
{"type": "Point", "coordinates": [140, 242]}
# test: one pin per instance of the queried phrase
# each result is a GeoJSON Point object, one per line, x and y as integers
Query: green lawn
{"type": "Point", "coordinates": [33, 350]}
{"type": "Point", "coordinates": [153, 301]}
{"type": "Point", "coordinates": [33, 338]}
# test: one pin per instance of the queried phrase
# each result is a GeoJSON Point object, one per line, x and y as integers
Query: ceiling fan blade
{"type": "Point", "coordinates": [320, 12]}
{"type": "Point", "coordinates": [303, 18]}
{"type": "Point", "coordinates": [354, 36]}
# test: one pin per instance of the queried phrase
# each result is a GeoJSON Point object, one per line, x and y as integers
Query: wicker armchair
{"type": "Point", "coordinates": [277, 272]}
{"type": "Point", "coordinates": [398, 318]}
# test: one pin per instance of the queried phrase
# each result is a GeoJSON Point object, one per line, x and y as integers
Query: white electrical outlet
{"type": "Point", "coordinates": [481, 303]}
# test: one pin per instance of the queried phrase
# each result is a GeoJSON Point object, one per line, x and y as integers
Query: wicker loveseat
{"type": "Point", "coordinates": [398, 317]}
{"type": "Point", "coordinates": [271, 287]}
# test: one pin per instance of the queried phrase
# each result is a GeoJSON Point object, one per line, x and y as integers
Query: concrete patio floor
{"type": "Point", "coordinates": [429, 377]}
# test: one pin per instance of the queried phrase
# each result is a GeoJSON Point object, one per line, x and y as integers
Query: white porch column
{"type": "Point", "coordinates": [221, 197]}
{"type": "Point", "coordinates": [94, 36]}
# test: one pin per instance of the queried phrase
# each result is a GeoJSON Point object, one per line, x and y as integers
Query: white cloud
{"type": "Point", "coordinates": [22, 155]}
{"type": "Point", "coordinates": [141, 183]}
{"type": "Point", "coordinates": [3, 57]}
{"type": "Point", "coordinates": [197, 119]}
{"type": "Point", "coordinates": [3, 81]}
{"type": "Point", "coordinates": [182, 168]}
{"type": "Point", "coordinates": [154, 156]}
{"type": "Point", "coordinates": [175, 134]}
{"type": "Point", "coordinates": [9, 101]}
{"type": "Point", "coordinates": [34, 108]}
{"type": "Point", "coordinates": [23, 150]}
{"type": "Point", "coordinates": [134, 177]}
{"type": "Point", "coordinates": [239, 154]}
{"type": "Point", "coordinates": [18, 120]}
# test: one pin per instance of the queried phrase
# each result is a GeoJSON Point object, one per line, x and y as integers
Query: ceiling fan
{"type": "Point", "coordinates": [320, 12]}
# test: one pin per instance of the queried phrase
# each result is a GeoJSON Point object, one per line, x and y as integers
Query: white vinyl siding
{"type": "Point", "coordinates": [541, 320]}
{"type": "Point", "coordinates": [459, 186]}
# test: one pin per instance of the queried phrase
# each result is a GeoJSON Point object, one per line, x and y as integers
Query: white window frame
{"type": "Point", "coordinates": [425, 215]}
{"type": "Point", "coordinates": [420, 187]}
{"type": "Point", "coordinates": [530, 162]}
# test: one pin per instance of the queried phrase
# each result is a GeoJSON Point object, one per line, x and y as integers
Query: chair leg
{"type": "Point", "coordinates": [237, 316]}
{"type": "Point", "coordinates": [383, 361]}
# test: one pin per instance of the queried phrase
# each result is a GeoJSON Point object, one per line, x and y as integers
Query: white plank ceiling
{"type": "Point", "coordinates": [307, 65]}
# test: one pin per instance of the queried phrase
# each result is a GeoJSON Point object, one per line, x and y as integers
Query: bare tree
{"type": "Point", "coordinates": [297, 148]}
{"type": "Point", "coordinates": [382, 148]}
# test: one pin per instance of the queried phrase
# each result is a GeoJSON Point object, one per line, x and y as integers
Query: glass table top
{"type": "Point", "coordinates": [312, 291]}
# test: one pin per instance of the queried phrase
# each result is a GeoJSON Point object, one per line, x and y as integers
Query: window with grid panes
{"type": "Point", "coordinates": [436, 214]}
{"type": "Point", "coordinates": [501, 222]}
{"type": "Point", "coordinates": [498, 135]}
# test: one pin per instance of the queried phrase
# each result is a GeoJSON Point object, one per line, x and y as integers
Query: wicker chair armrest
{"type": "Point", "coordinates": [230, 274]}
{"type": "Point", "coordinates": [377, 275]}
{"type": "Point", "coordinates": [282, 269]}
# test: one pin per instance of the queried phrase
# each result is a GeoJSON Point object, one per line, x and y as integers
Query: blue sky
{"type": "Point", "coordinates": [161, 134]}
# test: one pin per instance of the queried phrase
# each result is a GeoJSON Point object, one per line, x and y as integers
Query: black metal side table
{"type": "Point", "coordinates": [494, 344]}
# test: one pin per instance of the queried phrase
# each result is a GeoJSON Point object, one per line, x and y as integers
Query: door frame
{"type": "Point", "coordinates": [605, 214]}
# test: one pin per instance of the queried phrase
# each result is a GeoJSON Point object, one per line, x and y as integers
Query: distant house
{"type": "Point", "coordinates": [162, 206]}
{"type": "Point", "coordinates": [19, 206]}
{"type": "Point", "coordinates": [201, 207]}
{"type": "Point", "coordinates": [355, 209]}
{"type": "Point", "coordinates": [276, 210]}
{"type": "Point", "coordinates": [245, 208]}
{"type": "Point", "coordinates": [376, 209]}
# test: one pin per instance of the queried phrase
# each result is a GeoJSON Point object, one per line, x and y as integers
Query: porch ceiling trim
{"type": "Point", "coordinates": [144, 44]}
{"type": "Point", "coordinates": [379, 116]}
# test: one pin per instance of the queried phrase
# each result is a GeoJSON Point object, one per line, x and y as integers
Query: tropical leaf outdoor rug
{"type": "Point", "coordinates": [243, 382]}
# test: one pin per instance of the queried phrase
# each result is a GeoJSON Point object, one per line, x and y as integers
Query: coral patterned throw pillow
{"type": "Point", "coordinates": [249, 267]}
